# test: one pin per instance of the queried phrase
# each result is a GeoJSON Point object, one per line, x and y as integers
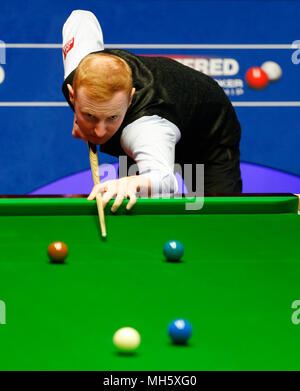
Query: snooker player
{"type": "Point", "coordinates": [156, 110]}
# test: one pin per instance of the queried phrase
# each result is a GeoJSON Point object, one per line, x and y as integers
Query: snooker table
{"type": "Point", "coordinates": [236, 283]}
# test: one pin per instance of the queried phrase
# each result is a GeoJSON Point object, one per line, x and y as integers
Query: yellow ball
{"type": "Point", "coordinates": [127, 339]}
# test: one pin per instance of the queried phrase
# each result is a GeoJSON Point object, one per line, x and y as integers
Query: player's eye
{"type": "Point", "coordinates": [90, 116]}
{"type": "Point", "coordinates": [114, 117]}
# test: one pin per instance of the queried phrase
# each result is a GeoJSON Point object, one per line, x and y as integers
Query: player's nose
{"type": "Point", "coordinates": [100, 130]}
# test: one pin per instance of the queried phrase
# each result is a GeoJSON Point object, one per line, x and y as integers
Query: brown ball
{"type": "Point", "coordinates": [58, 252]}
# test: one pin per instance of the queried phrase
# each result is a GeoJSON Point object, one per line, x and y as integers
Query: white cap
{"type": "Point", "coordinates": [82, 35]}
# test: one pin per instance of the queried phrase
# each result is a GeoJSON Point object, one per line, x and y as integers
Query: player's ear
{"type": "Point", "coordinates": [71, 93]}
{"type": "Point", "coordinates": [131, 96]}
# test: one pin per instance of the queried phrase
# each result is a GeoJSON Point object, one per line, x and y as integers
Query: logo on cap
{"type": "Point", "coordinates": [68, 46]}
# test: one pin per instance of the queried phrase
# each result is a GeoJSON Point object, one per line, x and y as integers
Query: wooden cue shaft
{"type": "Point", "coordinates": [96, 179]}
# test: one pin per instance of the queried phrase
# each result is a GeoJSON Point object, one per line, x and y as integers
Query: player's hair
{"type": "Point", "coordinates": [102, 81]}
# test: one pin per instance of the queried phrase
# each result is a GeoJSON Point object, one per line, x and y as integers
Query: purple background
{"type": "Point", "coordinates": [256, 179]}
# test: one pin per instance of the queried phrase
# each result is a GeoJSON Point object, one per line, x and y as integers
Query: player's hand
{"type": "Point", "coordinates": [76, 132]}
{"type": "Point", "coordinates": [122, 188]}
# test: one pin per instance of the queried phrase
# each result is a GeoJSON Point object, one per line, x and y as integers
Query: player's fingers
{"type": "Point", "coordinates": [118, 201]}
{"type": "Point", "coordinates": [131, 192]}
{"type": "Point", "coordinates": [132, 200]}
{"type": "Point", "coordinates": [96, 189]}
{"type": "Point", "coordinates": [110, 190]}
{"type": "Point", "coordinates": [117, 188]}
{"type": "Point", "coordinates": [92, 196]}
{"type": "Point", "coordinates": [121, 185]}
{"type": "Point", "coordinates": [107, 196]}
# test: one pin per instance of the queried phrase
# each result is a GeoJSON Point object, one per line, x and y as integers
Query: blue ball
{"type": "Point", "coordinates": [173, 250]}
{"type": "Point", "coordinates": [180, 330]}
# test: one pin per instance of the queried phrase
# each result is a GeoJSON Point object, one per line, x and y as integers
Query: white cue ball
{"type": "Point", "coordinates": [126, 339]}
{"type": "Point", "coordinates": [272, 69]}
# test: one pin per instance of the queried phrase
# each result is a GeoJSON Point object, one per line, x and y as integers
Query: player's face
{"type": "Point", "coordinates": [99, 121]}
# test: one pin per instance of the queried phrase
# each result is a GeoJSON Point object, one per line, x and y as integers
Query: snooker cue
{"type": "Point", "coordinates": [96, 179]}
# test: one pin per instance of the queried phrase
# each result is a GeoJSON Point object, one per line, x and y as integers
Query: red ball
{"type": "Point", "coordinates": [58, 252]}
{"type": "Point", "coordinates": [257, 78]}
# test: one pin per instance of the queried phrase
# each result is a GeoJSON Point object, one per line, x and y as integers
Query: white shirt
{"type": "Point", "coordinates": [150, 141]}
